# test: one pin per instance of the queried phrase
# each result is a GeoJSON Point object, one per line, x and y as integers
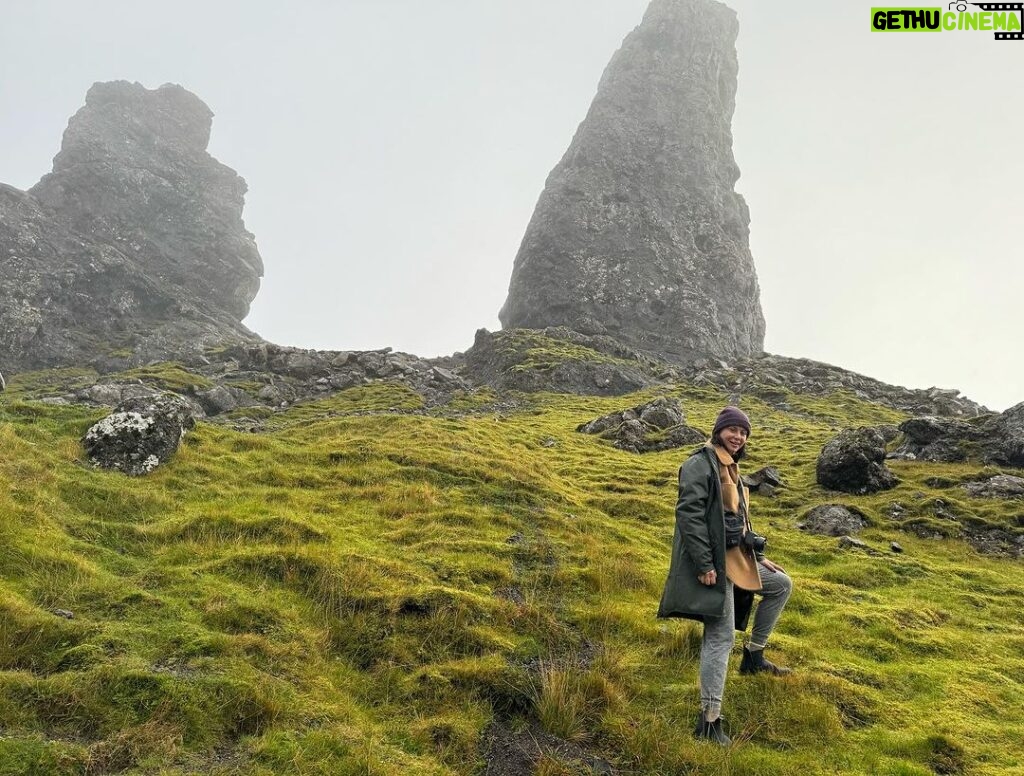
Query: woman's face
{"type": "Point", "coordinates": [733, 438]}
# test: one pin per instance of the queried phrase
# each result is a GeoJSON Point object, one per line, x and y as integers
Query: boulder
{"type": "Point", "coordinates": [833, 520]}
{"type": "Point", "coordinates": [764, 481]}
{"type": "Point", "coordinates": [854, 462]}
{"type": "Point", "coordinates": [141, 434]}
{"type": "Point", "coordinates": [221, 398]}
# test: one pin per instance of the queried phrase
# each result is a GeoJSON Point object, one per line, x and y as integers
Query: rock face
{"type": "Point", "coordinates": [1007, 432]}
{"type": "Point", "coordinates": [140, 434]}
{"type": "Point", "coordinates": [854, 462]}
{"type": "Point", "coordinates": [937, 439]}
{"type": "Point", "coordinates": [996, 439]}
{"type": "Point", "coordinates": [134, 243]}
{"type": "Point", "coordinates": [639, 233]}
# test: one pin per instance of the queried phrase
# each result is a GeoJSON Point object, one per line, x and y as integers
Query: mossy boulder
{"type": "Point", "coordinates": [140, 434]}
{"type": "Point", "coordinates": [854, 462]}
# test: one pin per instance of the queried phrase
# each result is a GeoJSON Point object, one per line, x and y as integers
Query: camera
{"type": "Point", "coordinates": [754, 541]}
{"type": "Point", "coordinates": [735, 536]}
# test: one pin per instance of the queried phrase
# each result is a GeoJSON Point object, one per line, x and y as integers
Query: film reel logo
{"type": "Point", "coordinates": [962, 7]}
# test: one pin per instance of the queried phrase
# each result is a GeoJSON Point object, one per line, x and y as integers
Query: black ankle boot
{"type": "Point", "coordinates": [711, 731]}
{"type": "Point", "coordinates": [754, 663]}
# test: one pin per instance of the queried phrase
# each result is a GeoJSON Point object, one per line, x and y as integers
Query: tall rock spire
{"type": "Point", "coordinates": [134, 244]}
{"type": "Point", "coordinates": [639, 233]}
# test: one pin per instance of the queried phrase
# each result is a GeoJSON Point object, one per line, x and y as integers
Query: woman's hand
{"type": "Point", "coordinates": [773, 567]}
{"type": "Point", "coordinates": [708, 579]}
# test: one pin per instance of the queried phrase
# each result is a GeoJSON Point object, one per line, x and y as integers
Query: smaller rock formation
{"type": "Point", "coordinates": [223, 398]}
{"type": "Point", "coordinates": [558, 360]}
{"type": "Point", "coordinates": [999, 486]}
{"type": "Point", "coordinates": [1007, 437]}
{"type": "Point", "coordinates": [852, 543]}
{"type": "Point", "coordinates": [140, 434]}
{"type": "Point", "coordinates": [995, 439]}
{"type": "Point", "coordinates": [764, 481]}
{"type": "Point", "coordinates": [854, 462]}
{"type": "Point", "coordinates": [937, 439]}
{"type": "Point", "coordinates": [652, 427]}
{"type": "Point", "coordinates": [833, 520]}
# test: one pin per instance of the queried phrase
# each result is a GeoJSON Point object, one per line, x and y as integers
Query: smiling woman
{"type": "Point", "coordinates": [717, 566]}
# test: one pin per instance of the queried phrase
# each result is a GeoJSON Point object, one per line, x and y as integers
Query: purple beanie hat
{"type": "Point", "coordinates": [731, 416]}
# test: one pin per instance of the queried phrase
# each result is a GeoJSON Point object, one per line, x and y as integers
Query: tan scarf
{"type": "Point", "coordinates": [740, 564]}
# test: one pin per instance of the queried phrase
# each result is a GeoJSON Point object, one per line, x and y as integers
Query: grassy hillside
{"type": "Point", "coordinates": [368, 588]}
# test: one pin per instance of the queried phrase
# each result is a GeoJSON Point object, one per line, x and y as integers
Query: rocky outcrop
{"type": "Point", "coordinates": [772, 378]}
{"type": "Point", "coordinates": [296, 374]}
{"type": "Point", "coordinates": [937, 439]}
{"type": "Point", "coordinates": [998, 439]}
{"type": "Point", "coordinates": [639, 233]}
{"type": "Point", "coordinates": [558, 360]}
{"type": "Point", "coordinates": [854, 462]}
{"type": "Point", "coordinates": [657, 425]}
{"type": "Point", "coordinates": [133, 247]}
{"type": "Point", "coordinates": [140, 434]}
{"type": "Point", "coordinates": [1007, 437]}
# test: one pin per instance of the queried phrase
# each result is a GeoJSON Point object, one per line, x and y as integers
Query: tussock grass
{"type": "Point", "coordinates": [369, 585]}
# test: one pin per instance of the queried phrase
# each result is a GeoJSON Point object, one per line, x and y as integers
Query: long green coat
{"type": "Point", "coordinates": [698, 545]}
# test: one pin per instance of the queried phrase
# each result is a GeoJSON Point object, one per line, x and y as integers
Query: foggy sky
{"type": "Point", "coordinates": [395, 149]}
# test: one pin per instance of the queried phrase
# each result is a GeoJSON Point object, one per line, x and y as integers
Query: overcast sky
{"type": "Point", "coordinates": [395, 149]}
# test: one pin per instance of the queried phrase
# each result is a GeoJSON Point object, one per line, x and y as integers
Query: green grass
{"type": "Point", "coordinates": [332, 597]}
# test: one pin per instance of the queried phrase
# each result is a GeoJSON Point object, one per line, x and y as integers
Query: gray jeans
{"type": "Point", "coordinates": [720, 633]}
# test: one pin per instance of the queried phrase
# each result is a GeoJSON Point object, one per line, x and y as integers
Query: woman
{"type": "Point", "coordinates": [718, 565]}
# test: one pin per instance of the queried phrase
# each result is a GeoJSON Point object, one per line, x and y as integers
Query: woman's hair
{"type": "Point", "coordinates": [737, 456]}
